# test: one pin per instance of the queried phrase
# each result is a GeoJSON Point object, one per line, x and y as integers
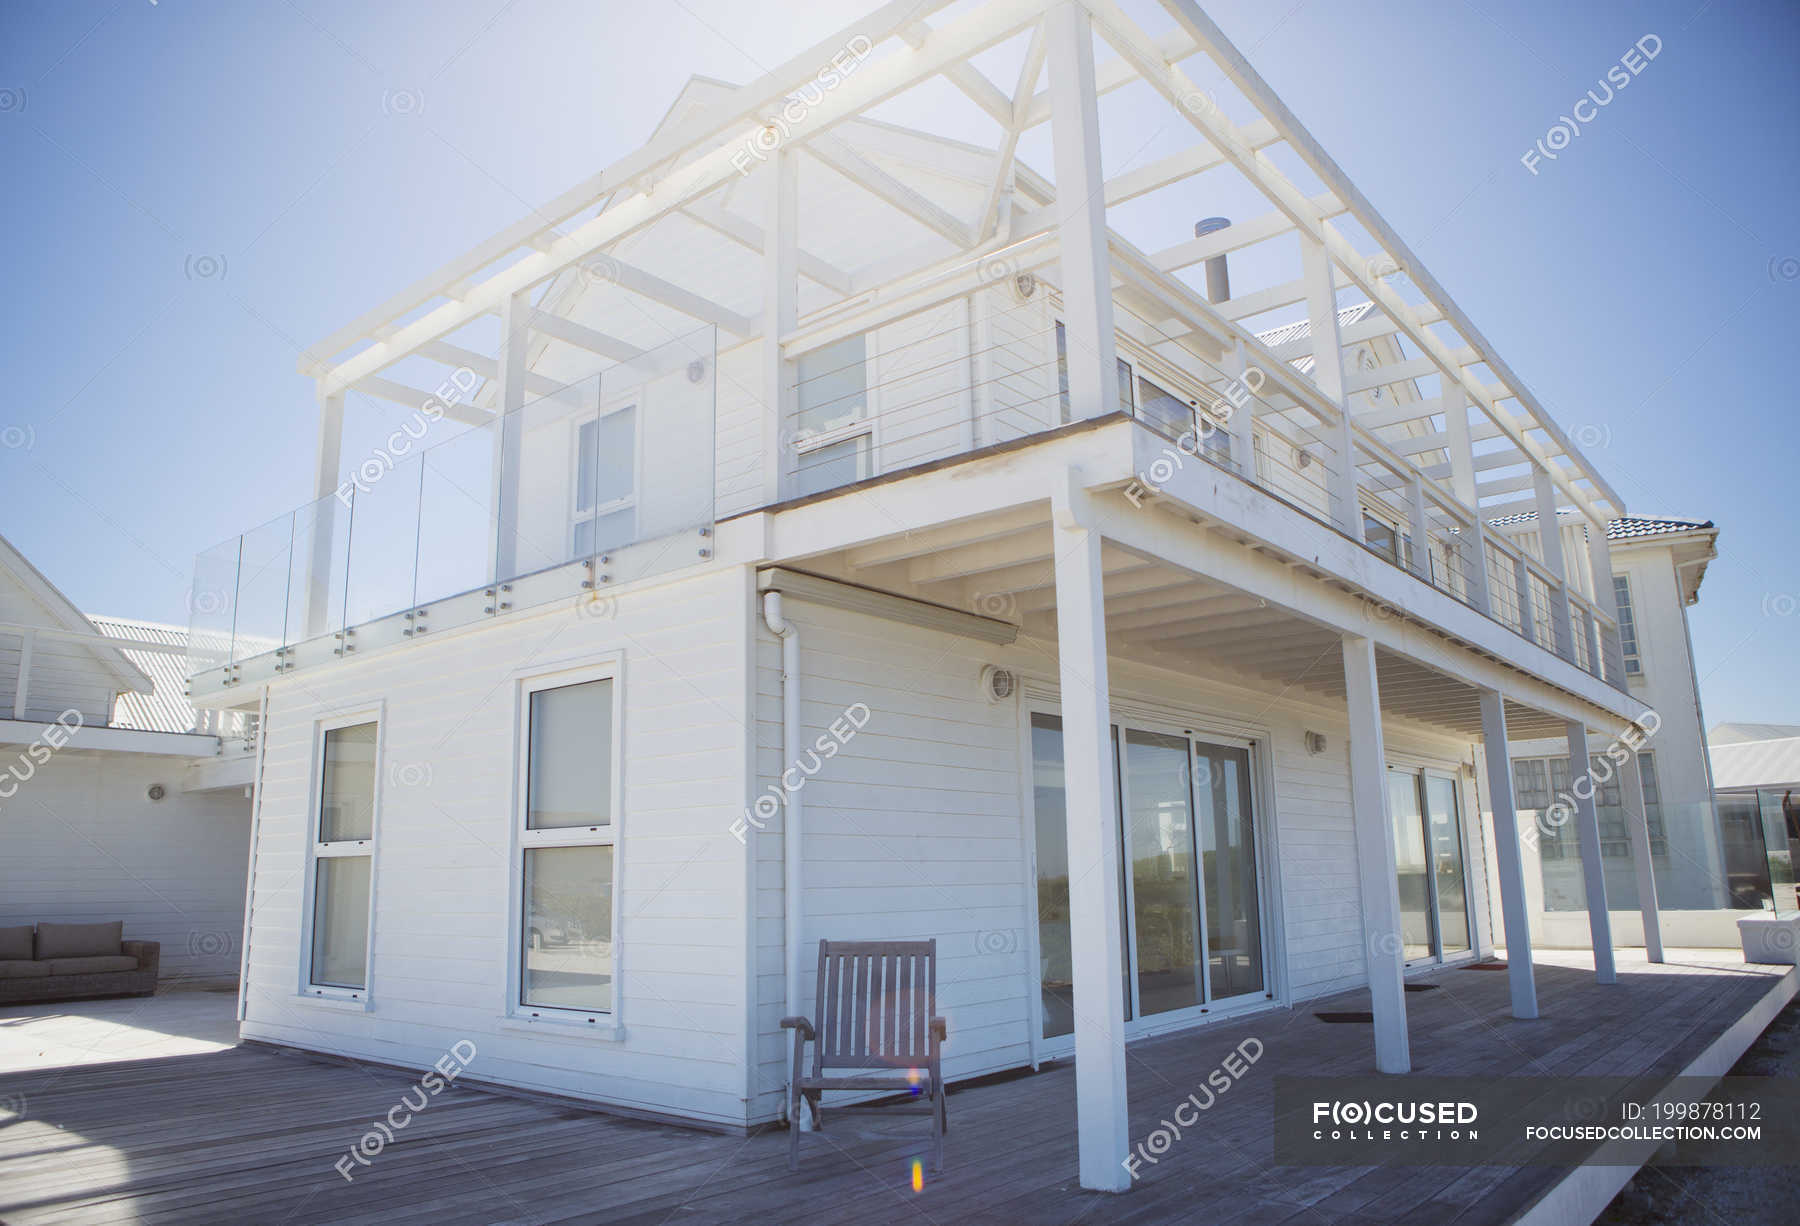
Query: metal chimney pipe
{"type": "Point", "coordinates": [1218, 276]}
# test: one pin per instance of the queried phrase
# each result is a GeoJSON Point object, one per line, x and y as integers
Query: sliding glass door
{"type": "Point", "coordinates": [1190, 878]}
{"type": "Point", "coordinates": [1426, 815]}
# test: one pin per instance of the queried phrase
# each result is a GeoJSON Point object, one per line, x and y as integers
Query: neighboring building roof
{"type": "Point", "coordinates": [165, 708]}
{"type": "Point", "coordinates": [1302, 329]}
{"type": "Point", "coordinates": [1629, 528]}
{"type": "Point", "coordinates": [1735, 734]}
{"type": "Point", "coordinates": [63, 615]}
{"type": "Point", "coordinates": [1749, 764]}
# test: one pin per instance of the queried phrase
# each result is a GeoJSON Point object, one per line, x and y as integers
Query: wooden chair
{"type": "Point", "coordinates": [878, 1012]}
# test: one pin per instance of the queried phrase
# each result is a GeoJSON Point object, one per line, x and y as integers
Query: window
{"type": "Point", "coordinates": [1387, 538]}
{"type": "Point", "coordinates": [833, 431]}
{"type": "Point", "coordinates": [1179, 419]}
{"type": "Point", "coordinates": [1122, 369]}
{"type": "Point", "coordinates": [567, 842]}
{"type": "Point", "coordinates": [605, 511]}
{"type": "Point", "coordinates": [343, 851]}
{"type": "Point", "coordinates": [1628, 643]}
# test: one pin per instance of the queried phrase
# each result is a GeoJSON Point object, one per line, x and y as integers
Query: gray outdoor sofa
{"type": "Point", "coordinates": [69, 961]}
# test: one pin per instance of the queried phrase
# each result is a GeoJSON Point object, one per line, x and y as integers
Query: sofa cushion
{"type": "Point", "coordinates": [15, 942]}
{"type": "Point", "coordinates": [100, 964]}
{"type": "Point", "coordinates": [21, 969]}
{"type": "Point", "coordinates": [79, 940]}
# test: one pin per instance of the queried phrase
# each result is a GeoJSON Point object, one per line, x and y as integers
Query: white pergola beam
{"type": "Point", "coordinates": [413, 398]}
{"type": "Point", "coordinates": [583, 337]}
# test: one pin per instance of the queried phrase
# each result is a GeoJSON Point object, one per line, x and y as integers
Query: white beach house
{"type": "Point", "coordinates": [813, 526]}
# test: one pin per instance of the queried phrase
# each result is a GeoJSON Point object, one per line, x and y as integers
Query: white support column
{"type": "Point", "coordinates": [1242, 425]}
{"type": "Point", "coordinates": [1522, 586]}
{"type": "Point", "coordinates": [515, 342]}
{"type": "Point", "coordinates": [327, 456]}
{"type": "Point", "coordinates": [1421, 525]}
{"type": "Point", "coordinates": [1383, 943]}
{"type": "Point", "coordinates": [1328, 373]}
{"type": "Point", "coordinates": [1637, 822]}
{"type": "Point", "coordinates": [1599, 559]}
{"type": "Point", "coordinates": [781, 312]}
{"type": "Point", "coordinates": [1593, 870]}
{"type": "Point", "coordinates": [1514, 914]}
{"type": "Point", "coordinates": [1086, 264]}
{"type": "Point", "coordinates": [1551, 543]}
{"type": "Point", "coordinates": [1462, 484]}
{"type": "Point", "coordinates": [1095, 911]}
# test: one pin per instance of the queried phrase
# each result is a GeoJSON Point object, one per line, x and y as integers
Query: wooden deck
{"type": "Point", "coordinates": [251, 1133]}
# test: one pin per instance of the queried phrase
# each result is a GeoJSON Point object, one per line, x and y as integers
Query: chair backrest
{"type": "Point", "coordinates": [876, 1002]}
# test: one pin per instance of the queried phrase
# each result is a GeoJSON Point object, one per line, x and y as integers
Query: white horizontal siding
{"type": "Point", "coordinates": [85, 843]}
{"type": "Point", "coordinates": [442, 927]}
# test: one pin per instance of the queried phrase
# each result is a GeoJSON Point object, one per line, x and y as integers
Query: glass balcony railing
{"type": "Point", "coordinates": [606, 480]}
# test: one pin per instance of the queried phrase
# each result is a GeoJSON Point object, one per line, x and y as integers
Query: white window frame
{"type": "Point", "coordinates": [866, 427]}
{"type": "Point", "coordinates": [317, 849]}
{"type": "Point", "coordinates": [595, 513]}
{"type": "Point", "coordinates": [1633, 660]}
{"type": "Point", "coordinates": [553, 1019]}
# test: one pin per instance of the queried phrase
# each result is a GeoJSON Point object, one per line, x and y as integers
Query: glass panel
{"type": "Point", "coordinates": [384, 543]}
{"type": "Point", "coordinates": [567, 955]}
{"type": "Point", "coordinates": [340, 947]}
{"type": "Point", "coordinates": [457, 515]}
{"type": "Point", "coordinates": [833, 386]}
{"type": "Point", "coordinates": [606, 478]}
{"type": "Point", "coordinates": [263, 589]}
{"type": "Point", "coordinates": [347, 788]}
{"type": "Point", "coordinates": [1746, 854]}
{"type": "Point", "coordinates": [1441, 807]}
{"type": "Point", "coordinates": [1411, 864]}
{"type": "Point", "coordinates": [826, 468]}
{"type": "Point", "coordinates": [571, 757]}
{"type": "Point", "coordinates": [1380, 536]}
{"type": "Point", "coordinates": [1163, 411]}
{"type": "Point", "coordinates": [318, 568]}
{"type": "Point", "coordinates": [212, 606]}
{"type": "Point", "coordinates": [1056, 978]}
{"type": "Point", "coordinates": [1228, 857]}
{"type": "Point", "coordinates": [1781, 827]}
{"type": "Point", "coordinates": [1164, 898]}
{"type": "Point", "coordinates": [539, 479]}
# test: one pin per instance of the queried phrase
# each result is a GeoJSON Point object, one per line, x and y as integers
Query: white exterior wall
{"type": "Point", "coordinates": [921, 826]}
{"type": "Point", "coordinates": [442, 928]}
{"type": "Point", "coordinates": [85, 843]}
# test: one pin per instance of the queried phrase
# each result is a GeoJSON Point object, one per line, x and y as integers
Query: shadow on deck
{"type": "Point", "coordinates": [253, 1133]}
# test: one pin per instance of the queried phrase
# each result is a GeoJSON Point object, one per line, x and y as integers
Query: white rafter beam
{"type": "Point", "coordinates": [832, 151]}
{"type": "Point", "coordinates": [413, 398]}
{"type": "Point", "coordinates": [749, 235]}
{"type": "Point", "coordinates": [583, 337]}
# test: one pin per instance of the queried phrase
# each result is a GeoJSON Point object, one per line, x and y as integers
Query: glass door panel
{"type": "Point", "coordinates": [1056, 976]}
{"type": "Point", "coordinates": [1228, 866]}
{"type": "Point", "coordinates": [1445, 825]}
{"type": "Point", "coordinates": [1416, 920]}
{"type": "Point", "coordinates": [1166, 911]}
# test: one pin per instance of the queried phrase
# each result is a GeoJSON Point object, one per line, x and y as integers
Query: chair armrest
{"type": "Point", "coordinates": [798, 1023]}
{"type": "Point", "coordinates": [147, 953]}
{"type": "Point", "coordinates": [940, 1029]}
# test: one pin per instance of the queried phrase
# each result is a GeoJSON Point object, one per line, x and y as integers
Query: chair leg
{"type": "Point", "coordinates": [794, 1128]}
{"type": "Point", "coordinates": [937, 1132]}
{"type": "Point", "coordinates": [818, 1112]}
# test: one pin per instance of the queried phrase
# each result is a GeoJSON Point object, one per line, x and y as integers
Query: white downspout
{"type": "Point", "coordinates": [791, 880]}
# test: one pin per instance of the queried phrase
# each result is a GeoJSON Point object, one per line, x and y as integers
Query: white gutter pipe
{"type": "Point", "coordinates": [791, 881]}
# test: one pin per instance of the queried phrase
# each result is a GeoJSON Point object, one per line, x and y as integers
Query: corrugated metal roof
{"type": "Point", "coordinates": [165, 708]}
{"type": "Point", "coordinates": [1771, 763]}
{"type": "Point", "coordinates": [1303, 328]}
{"type": "Point", "coordinates": [1734, 734]}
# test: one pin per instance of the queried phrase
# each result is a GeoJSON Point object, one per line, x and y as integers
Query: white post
{"type": "Point", "coordinates": [1242, 425]}
{"type": "Point", "coordinates": [1328, 373]}
{"type": "Point", "coordinates": [1462, 484]}
{"type": "Point", "coordinates": [1550, 542]}
{"type": "Point", "coordinates": [1086, 263]}
{"type": "Point", "coordinates": [515, 341]}
{"type": "Point", "coordinates": [1095, 913]}
{"type": "Point", "coordinates": [1593, 871]}
{"type": "Point", "coordinates": [781, 311]}
{"type": "Point", "coordinates": [1383, 943]}
{"type": "Point", "coordinates": [326, 458]}
{"type": "Point", "coordinates": [1514, 914]}
{"type": "Point", "coordinates": [1637, 821]}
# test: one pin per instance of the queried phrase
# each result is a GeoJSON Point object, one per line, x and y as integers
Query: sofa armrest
{"type": "Point", "coordinates": [147, 953]}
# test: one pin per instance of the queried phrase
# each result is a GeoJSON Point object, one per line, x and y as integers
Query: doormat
{"type": "Point", "coordinates": [1421, 987]}
{"type": "Point", "coordinates": [1353, 1015]}
{"type": "Point", "coordinates": [1485, 966]}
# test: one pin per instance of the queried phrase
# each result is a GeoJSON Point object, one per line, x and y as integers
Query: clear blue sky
{"type": "Point", "coordinates": [195, 189]}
